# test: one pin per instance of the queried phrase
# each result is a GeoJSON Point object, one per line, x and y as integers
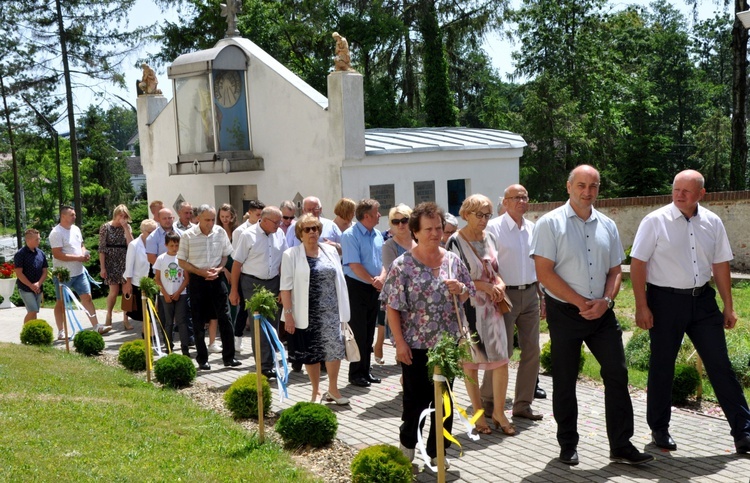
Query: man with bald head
{"type": "Point", "coordinates": [577, 255]}
{"type": "Point", "coordinates": [676, 250]}
{"type": "Point", "coordinates": [155, 244]}
{"type": "Point", "coordinates": [312, 205]}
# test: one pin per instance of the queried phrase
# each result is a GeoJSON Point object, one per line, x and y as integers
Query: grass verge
{"type": "Point", "coordinates": [69, 418]}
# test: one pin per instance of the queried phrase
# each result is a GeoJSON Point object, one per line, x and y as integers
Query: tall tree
{"type": "Point", "coordinates": [438, 101]}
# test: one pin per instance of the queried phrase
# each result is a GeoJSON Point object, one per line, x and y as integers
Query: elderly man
{"type": "Point", "coordinates": [257, 262]}
{"type": "Point", "coordinates": [513, 236]}
{"type": "Point", "coordinates": [68, 251]}
{"type": "Point", "coordinates": [362, 247]}
{"type": "Point", "coordinates": [155, 245]}
{"type": "Point", "coordinates": [312, 205]}
{"type": "Point", "coordinates": [577, 254]}
{"type": "Point", "coordinates": [203, 252]}
{"type": "Point", "coordinates": [451, 226]}
{"type": "Point", "coordinates": [676, 249]}
{"type": "Point", "coordinates": [287, 215]}
{"type": "Point", "coordinates": [184, 216]}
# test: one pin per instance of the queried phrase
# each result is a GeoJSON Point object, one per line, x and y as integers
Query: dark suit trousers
{"type": "Point", "coordinates": [363, 303]}
{"type": "Point", "coordinates": [248, 284]}
{"type": "Point", "coordinates": [208, 300]}
{"type": "Point", "coordinates": [700, 318]}
{"type": "Point", "coordinates": [603, 336]}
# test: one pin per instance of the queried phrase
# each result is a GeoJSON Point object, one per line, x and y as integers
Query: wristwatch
{"type": "Point", "coordinates": [464, 289]}
{"type": "Point", "coordinates": [610, 303]}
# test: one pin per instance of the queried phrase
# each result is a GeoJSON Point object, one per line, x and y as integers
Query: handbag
{"type": "Point", "coordinates": [128, 303]}
{"type": "Point", "coordinates": [352, 351]}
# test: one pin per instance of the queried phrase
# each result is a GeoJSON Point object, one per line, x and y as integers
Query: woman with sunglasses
{"type": "Point", "coordinates": [399, 243]}
{"type": "Point", "coordinates": [316, 303]}
{"type": "Point", "coordinates": [477, 249]}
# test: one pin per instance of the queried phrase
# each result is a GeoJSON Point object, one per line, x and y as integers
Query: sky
{"type": "Point", "coordinates": [145, 12]}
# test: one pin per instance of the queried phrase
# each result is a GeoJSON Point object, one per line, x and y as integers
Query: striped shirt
{"type": "Point", "coordinates": [204, 251]}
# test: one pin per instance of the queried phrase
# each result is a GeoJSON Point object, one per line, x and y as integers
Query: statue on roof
{"type": "Point", "coordinates": [149, 81]}
{"type": "Point", "coordinates": [342, 61]}
{"type": "Point", "coordinates": [230, 9]}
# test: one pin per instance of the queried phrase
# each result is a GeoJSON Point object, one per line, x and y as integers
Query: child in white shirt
{"type": "Point", "coordinates": [172, 281]}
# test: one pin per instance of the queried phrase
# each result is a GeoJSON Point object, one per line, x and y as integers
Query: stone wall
{"type": "Point", "coordinates": [732, 206]}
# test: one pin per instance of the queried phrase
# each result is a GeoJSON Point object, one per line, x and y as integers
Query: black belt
{"type": "Point", "coordinates": [560, 302]}
{"type": "Point", "coordinates": [258, 278]}
{"type": "Point", "coordinates": [520, 287]}
{"type": "Point", "coordinates": [694, 292]}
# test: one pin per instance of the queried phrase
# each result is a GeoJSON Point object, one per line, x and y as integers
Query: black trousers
{"type": "Point", "coordinates": [418, 395]}
{"type": "Point", "coordinates": [208, 300]}
{"type": "Point", "coordinates": [248, 284]}
{"type": "Point", "coordinates": [700, 318]}
{"type": "Point", "coordinates": [363, 303]}
{"type": "Point", "coordinates": [603, 336]}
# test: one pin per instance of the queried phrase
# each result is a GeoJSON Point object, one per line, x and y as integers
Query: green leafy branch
{"type": "Point", "coordinates": [263, 302]}
{"type": "Point", "coordinates": [148, 287]}
{"type": "Point", "coordinates": [448, 355]}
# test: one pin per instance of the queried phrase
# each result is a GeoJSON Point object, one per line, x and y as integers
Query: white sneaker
{"type": "Point", "coordinates": [238, 344]}
{"type": "Point", "coordinates": [408, 452]}
{"type": "Point", "coordinates": [61, 335]}
{"type": "Point", "coordinates": [434, 462]}
{"type": "Point", "coordinates": [214, 348]}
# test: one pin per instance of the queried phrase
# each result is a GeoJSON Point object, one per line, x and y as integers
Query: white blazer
{"type": "Point", "coordinates": [295, 276]}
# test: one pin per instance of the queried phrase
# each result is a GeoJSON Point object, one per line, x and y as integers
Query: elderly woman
{"type": "Point", "coordinates": [316, 303]}
{"type": "Point", "coordinates": [114, 237]}
{"type": "Point", "coordinates": [486, 324]}
{"type": "Point", "coordinates": [419, 293]}
{"type": "Point", "coordinates": [137, 267]}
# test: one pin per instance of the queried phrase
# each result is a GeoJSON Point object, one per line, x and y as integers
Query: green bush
{"type": "Point", "coordinates": [738, 345]}
{"type": "Point", "coordinates": [686, 382]}
{"type": "Point", "coordinates": [545, 358]}
{"type": "Point", "coordinates": [242, 397]}
{"type": "Point", "coordinates": [175, 370]}
{"type": "Point", "coordinates": [88, 342]}
{"type": "Point", "coordinates": [133, 355]}
{"type": "Point", "coordinates": [307, 423]}
{"type": "Point", "coordinates": [380, 464]}
{"type": "Point", "coordinates": [36, 332]}
{"type": "Point", "coordinates": [638, 350]}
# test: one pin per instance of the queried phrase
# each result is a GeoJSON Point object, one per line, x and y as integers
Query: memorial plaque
{"type": "Point", "coordinates": [385, 194]}
{"type": "Point", "coordinates": [424, 191]}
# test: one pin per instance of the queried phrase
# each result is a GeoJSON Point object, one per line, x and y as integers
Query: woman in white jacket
{"type": "Point", "coordinates": [316, 304]}
{"type": "Point", "coordinates": [137, 267]}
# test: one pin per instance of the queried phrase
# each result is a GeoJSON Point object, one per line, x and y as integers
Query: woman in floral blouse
{"type": "Point", "coordinates": [419, 297]}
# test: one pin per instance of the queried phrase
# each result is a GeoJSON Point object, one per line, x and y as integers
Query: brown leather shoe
{"type": "Point", "coordinates": [528, 413]}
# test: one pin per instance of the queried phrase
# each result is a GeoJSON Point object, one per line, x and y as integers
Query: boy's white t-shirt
{"type": "Point", "coordinates": [172, 275]}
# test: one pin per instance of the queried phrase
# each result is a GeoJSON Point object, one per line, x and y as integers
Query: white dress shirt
{"type": "Point", "coordinates": [259, 252]}
{"type": "Point", "coordinates": [513, 246]}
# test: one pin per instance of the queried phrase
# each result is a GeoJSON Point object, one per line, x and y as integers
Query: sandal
{"type": "Point", "coordinates": [508, 429]}
{"type": "Point", "coordinates": [379, 360]}
{"type": "Point", "coordinates": [482, 429]}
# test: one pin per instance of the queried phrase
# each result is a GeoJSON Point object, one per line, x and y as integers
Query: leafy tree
{"type": "Point", "coordinates": [438, 102]}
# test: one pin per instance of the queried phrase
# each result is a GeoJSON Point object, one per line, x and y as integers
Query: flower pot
{"type": "Point", "coordinates": [7, 286]}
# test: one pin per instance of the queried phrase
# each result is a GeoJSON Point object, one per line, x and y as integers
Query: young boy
{"type": "Point", "coordinates": [172, 281]}
{"type": "Point", "coordinates": [31, 271]}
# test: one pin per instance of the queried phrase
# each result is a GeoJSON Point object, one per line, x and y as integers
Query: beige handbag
{"type": "Point", "coordinates": [352, 351]}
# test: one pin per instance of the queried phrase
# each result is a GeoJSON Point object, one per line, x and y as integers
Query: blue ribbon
{"type": "Point", "coordinates": [91, 279]}
{"type": "Point", "coordinates": [277, 347]}
{"type": "Point", "coordinates": [70, 308]}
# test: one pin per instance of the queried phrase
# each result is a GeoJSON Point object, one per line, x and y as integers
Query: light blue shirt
{"type": "Point", "coordinates": [583, 250]}
{"type": "Point", "coordinates": [155, 242]}
{"type": "Point", "coordinates": [363, 246]}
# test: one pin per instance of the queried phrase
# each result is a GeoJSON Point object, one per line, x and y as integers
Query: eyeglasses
{"type": "Point", "coordinates": [486, 216]}
{"type": "Point", "coordinates": [288, 217]}
{"type": "Point", "coordinates": [449, 232]}
{"type": "Point", "coordinates": [309, 229]}
{"type": "Point", "coordinates": [402, 221]}
{"type": "Point", "coordinates": [518, 198]}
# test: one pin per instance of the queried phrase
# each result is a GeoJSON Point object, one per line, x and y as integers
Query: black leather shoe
{"type": "Point", "coordinates": [630, 456]}
{"type": "Point", "coordinates": [361, 382]}
{"type": "Point", "coordinates": [663, 440]}
{"type": "Point", "coordinates": [232, 363]}
{"type": "Point", "coordinates": [205, 366]}
{"type": "Point", "coordinates": [569, 457]}
{"type": "Point", "coordinates": [269, 374]}
{"type": "Point", "coordinates": [191, 342]}
{"type": "Point", "coordinates": [372, 379]}
{"type": "Point", "coordinates": [540, 393]}
{"type": "Point", "coordinates": [743, 445]}
{"type": "Point", "coordinates": [296, 367]}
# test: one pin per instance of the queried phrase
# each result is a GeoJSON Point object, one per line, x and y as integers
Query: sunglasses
{"type": "Point", "coordinates": [309, 229]}
{"type": "Point", "coordinates": [402, 221]}
{"type": "Point", "coordinates": [288, 217]}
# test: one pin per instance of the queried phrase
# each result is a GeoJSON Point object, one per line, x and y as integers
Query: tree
{"type": "Point", "coordinates": [438, 101]}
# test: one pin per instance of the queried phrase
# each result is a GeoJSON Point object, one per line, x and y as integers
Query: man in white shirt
{"type": "Point", "coordinates": [513, 236]}
{"type": "Point", "coordinates": [254, 209]}
{"type": "Point", "coordinates": [312, 205]}
{"type": "Point", "coordinates": [68, 251]}
{"type": "Point", "coordinates": [675, 251]}
{"type": "Point", "coordinates": [257, 262]}
{"type": "Point", "coordinates": [203, 252]}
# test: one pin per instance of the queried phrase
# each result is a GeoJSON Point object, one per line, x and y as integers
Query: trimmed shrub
{"type": "Point", "coordinates": [638, 350]}
{"type": "Point", "coordinates": [88, 342]}
{"type": "Point", "coordinates": [545, 358]}
{"type": "Point", "coordinates": [242, 397]}
{"type": "Point", "coordinates": [738, 345]}
{"type": "Point", "coordinates": [175, 370]}
{"type": "Point", "coordinates": [36, 332]}
{"type": "Point", "coordinates": [133, 355]}
{"type": "Point", "coordinates": [307, 423]}
{"type": "Point", "coordinates": [380, 464]}
{"type": "Point", "coordinates": [686, 381]}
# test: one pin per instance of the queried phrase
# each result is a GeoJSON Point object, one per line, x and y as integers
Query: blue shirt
{"type": "Point", "coordinates": [32, 264]}
{"type": "Point", "coordinates": [583, 250]}
{"type": "Point", "coordinates": [155, 244]}
{"type": "Point", "coordinates": [363, 246]}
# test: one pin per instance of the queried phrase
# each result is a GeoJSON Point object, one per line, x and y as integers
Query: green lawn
{"type": "Point", "coordinates": [68, 418]}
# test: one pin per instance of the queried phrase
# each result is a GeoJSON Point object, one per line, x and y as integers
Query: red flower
{"type": "Point", "coordinates": [7, 270]}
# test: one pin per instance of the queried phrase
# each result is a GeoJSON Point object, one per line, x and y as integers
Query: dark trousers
{"type": "Point", "coordinates": [208, 300]}
{"type": "Point", "coordinates": [363, 303]}
{"type": "Point", "coordinates": [603, 336]}
{"type": "Point", "coordinates": [248, 284]}
{"type": "Point", "coordinates": [241, 321]}
{"type": "Point", "coordinates": [419, 393]}
{"type": "Point", "coordinates": [700, 318]}
{"type": "Point", "coordinates": [173, 314]}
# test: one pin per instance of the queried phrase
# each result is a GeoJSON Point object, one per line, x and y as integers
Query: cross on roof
{"type": "Point", "coordinates": [230, 9]}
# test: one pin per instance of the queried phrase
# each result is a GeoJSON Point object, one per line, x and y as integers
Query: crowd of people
{"type": "Point", "coordinates": [483, 280]}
